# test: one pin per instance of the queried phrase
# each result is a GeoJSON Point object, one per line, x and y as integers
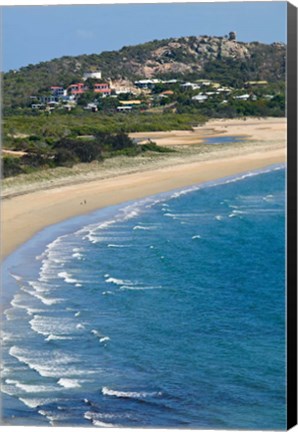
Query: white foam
{"type": "Point", "coordinates": [17, 301]}
{"type": "Point", "coordinates": [219, 217]}
{"type": "Point", "coordinates": [145, 228]}
{"type": "Point", "coordinates": [139, 288]}
{"type": "Point", "coordinates": [171, 215]}
{"type": "Point", "coordinates": [47, 325]}
{"type": "Point", "coordinates": [49, 416]}
{"type": "Point", "coordinates": [6, 336]}
{"type": "Point", "coordinates": [196, 237]}
{"type": "Point", "coordinates": [103, 424]}
{"type": "Point", "coordinates": [92, 230]}
{"type": "Point", "coordinates": [127, 394]}
{"type": "Point", "coordinates": [67, 278]}
{"type": "Point", "coordinates": [118, 281]}
{"type": "Point", "coordinates": [77, 255]}
{"type": "Point", "coordinates": [184, 192]}
{"type": "Point", "coordinates": [130, 213]}
{"type": "Point", "coordinates": [69, 383]}
{"type": "Point", "coordinates": [54, 372]}
{"type": "Point", "coordinates": [16, 277]}
{"type": "Point", "coordinates": [104, 339]}
{"type": "Point", "coordinates": [55, 337]}
{"type": "Point", "coordinates": [118, 246]}
{"type": "Point", "coordinates": [45, 300]}
{"type": "Point", "coordinates": [96, 333]}
{"type": "Point", "coordinates": [80, 326]}
{"type": "Point", "coordinates": [53, 257]}
{"type": "Point", "coordinates": [10, 314]}
{"type": "Point", "coordinates": [39, 286]}
{"type": "Point", "coordinates": [32, 388]}
{"type": "Point", "coordinates": [227, 180]}
{"type": "Point", "coordinates": [89, 415]}
{"type": "Point", "coordinates": [49, 364]}
{"type": "Point", "coordinates": [78, 249]}
{"type": "Point", "coordinates": [268, 198]}
{"type": "Point", "coordinates": [5, 371]}
{"type": "Point", "coordinates": [237, 213]}
{"type": "Point", "coordinates": [34, 403]}
{"type": "Point", "coordinates": [9, 389]}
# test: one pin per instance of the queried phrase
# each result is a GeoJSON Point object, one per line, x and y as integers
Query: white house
{"type": "Point", "coordinates": [93, 75]}
{"type": "Point", "coordinates": [91, 106]}
{"type": "Point", "coordinates": [244, 97]}
{"type": "Point", "coordinates": [200, 98]}
{"type": "Point", "coordinates": [147, 84]}
{"type": "Point", "coordinates": [124, 108]}
{"type": "Point", "coordinates": [193, 86]}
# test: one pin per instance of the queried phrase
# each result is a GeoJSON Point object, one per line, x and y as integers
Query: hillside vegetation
{"type": "Point", "coordinates": [228, 61]}
{"type": "Point", "coordinates": [164, 85]}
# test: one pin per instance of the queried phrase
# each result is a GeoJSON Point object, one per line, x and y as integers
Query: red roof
{"type": "Point", "coordinates": [76, 85]}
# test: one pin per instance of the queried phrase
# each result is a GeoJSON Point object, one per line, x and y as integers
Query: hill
{"type": "Point", "coordinates": [219, 58]}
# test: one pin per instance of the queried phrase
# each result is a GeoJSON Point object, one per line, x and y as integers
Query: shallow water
{"type": "Point", "coordinates": [166, 312]}
{"type": "Point", "coordinates": [224, 139]}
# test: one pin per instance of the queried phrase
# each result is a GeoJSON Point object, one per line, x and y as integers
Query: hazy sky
{"type": "Point", "coordinates": [37, 33]}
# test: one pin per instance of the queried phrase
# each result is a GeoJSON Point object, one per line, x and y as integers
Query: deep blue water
{"type": "Point", "coordinates": [166, 312]}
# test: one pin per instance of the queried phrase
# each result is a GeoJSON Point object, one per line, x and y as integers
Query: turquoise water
{"type": "Point", "coordinates": [166, 312]}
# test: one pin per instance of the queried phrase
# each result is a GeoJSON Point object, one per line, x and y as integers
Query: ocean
{"type": "Point", "coordinates": [164, 312]}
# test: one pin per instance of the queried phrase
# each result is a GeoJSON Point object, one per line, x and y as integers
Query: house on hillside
{"type": "Point", "coordinates": [92, 75]}
{"type": "Point", "coordinates": [189, 85]}
{"type": "Point", "coordinates": [147, 84]}
{"type": "Point", "coordinates": [102, 88]}
{"type": "Point", "coordinates": [167, 93]}
{"type": "Point", "coordinates": [200, 98]}
{"type": "Point", "coordinates": [91, 107]}
{"type": "Point", "coordinates": [48, 99]}
{"type": "Point", "coordinates": [171, 81]}
{"type": "Point", "coordinates": [131, 102]}
{"type": "Point", "coordinates": [204, 82]}
{"type": "Point", "coordinates": [77, 89]}
{"type": "Point", "coordinates": [37, 106]}
{"type": "Point", "coordinates": [124, 108]}
{"type": "Point", "coordinates": [58, 91]}
{"type": "Point", "coordinates": [243, 97]}
{"type": "Point", "coordinates": [255, 83]}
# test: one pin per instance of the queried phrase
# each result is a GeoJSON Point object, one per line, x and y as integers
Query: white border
{"type": "Point", "coordinates": [11, 3]}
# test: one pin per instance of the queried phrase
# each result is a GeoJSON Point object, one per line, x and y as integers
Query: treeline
{"type": "Point", "coordinates": [274, 107]}
{"type": "Point", "coordinates": [59, 124]}
{"type": "Point", "coordinates": [70, 151]}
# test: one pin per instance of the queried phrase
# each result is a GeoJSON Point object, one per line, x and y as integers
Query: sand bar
{"type": "Point", "coordinates": [253, 128]}
{"type": "Point", "coordinates": [25, 215]}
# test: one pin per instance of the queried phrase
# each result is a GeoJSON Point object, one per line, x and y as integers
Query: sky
{"type": "Point", "coordinates": [31, 34]}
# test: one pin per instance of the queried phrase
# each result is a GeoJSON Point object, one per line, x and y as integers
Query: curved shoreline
{"type": "Point", "coordinates": [28, 207]}
{"type": "Point", "coordinates": [25, 215]}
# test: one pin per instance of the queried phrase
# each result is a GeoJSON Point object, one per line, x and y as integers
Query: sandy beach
{"type": "Point", "coordinates": [28, 209]}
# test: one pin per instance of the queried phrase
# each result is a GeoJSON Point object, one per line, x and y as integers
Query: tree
{"type": "Point", "coordinates": [86, 98]}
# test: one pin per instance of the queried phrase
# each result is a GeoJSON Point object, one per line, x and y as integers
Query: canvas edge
{"type": "Point", "coordinates": [291, 381]}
